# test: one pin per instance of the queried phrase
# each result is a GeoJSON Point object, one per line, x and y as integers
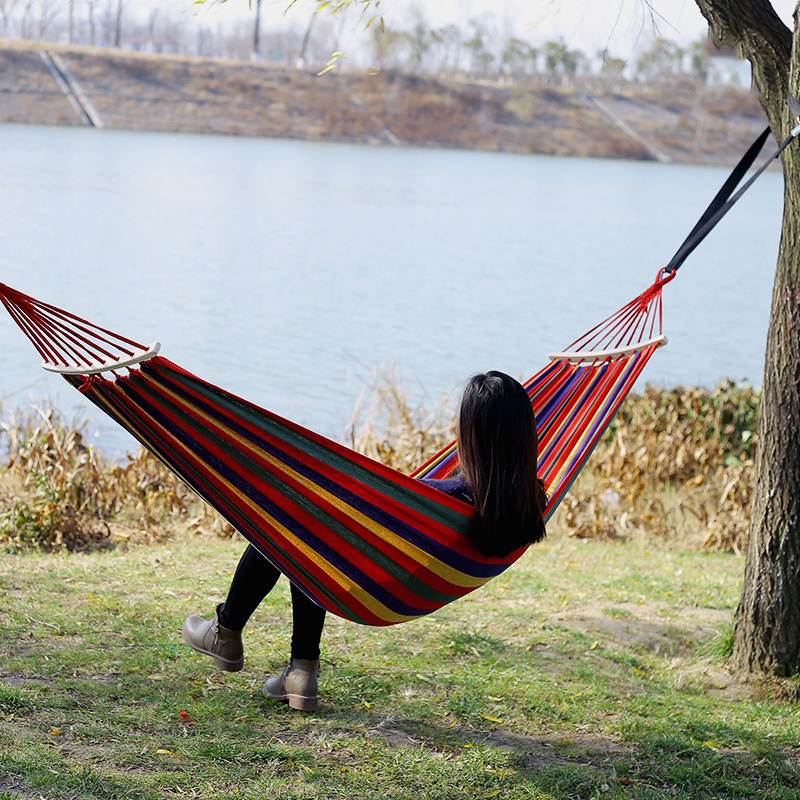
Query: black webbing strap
{"type": "Point", "coordinates": [725, 198]}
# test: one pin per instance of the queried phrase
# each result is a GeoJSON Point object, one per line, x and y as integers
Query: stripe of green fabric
{"type": "Point", "coordinates": [172, 457]}
{"type": "Point", "coordinates": [542, 382]}
{"type": "Point", "coordinates": [417, 502]}
{"type": "Point", "coordinates": [246, 463]}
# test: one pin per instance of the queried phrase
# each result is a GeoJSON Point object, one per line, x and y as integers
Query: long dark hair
{"type": "Point", "coordinates": [498, 450]}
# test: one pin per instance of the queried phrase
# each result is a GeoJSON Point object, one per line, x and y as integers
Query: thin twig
{"type": "Point", "coordinates": [42, 622]}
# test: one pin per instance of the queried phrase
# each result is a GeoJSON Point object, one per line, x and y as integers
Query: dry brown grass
{"type": "Point", "coordinates": [386, 426]}
{"type": "Point", "coordinates": [676, 465]}
{"type": "Point", "coordinates": [57, 493]}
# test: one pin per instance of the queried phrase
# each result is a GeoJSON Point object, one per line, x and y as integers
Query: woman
{"type": "Point", "coordinates": [497, 447]}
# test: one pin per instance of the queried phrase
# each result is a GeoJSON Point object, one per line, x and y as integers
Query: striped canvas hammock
{"type": "Point", "coordinates": [364, 541]}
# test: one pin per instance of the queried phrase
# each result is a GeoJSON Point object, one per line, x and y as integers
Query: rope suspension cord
{"type": "Point", "coordinates": [725, 199]}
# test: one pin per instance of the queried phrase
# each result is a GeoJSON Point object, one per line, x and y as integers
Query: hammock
{"type": "Point", "coordinates": [362, 540]}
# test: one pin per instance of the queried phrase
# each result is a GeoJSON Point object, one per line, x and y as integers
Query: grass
{"type": "Point", "coordinates": [592, 669]}
{"type": "Point", "coordinates": [582, 673]}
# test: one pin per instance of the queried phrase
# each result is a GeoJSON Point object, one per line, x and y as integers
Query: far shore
{"type": "Point", "coordinates": [680, 122]}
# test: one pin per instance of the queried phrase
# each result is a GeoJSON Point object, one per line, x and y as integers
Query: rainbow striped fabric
{"type": "Point", "coordinates": [362, 540]}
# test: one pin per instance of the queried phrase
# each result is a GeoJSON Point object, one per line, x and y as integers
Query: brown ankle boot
{"type": "Point", "coordinates": [296, 685]}
{"type": "Point", "coordinates": [211, 639]}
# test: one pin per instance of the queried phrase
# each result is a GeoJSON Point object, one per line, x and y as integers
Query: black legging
{"type": "Point", "coordinates": [252, 582]}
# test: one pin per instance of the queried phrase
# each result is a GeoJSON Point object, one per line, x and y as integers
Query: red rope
{"type": "Point", "coordinates": [60, 337]}
{"type": "Point", "coordinates": [90, 381]}
{"type": "Point", "coordinates": [66, 314]}
{"type": "Point", "coordinates": [94, 330]}
{"type": "Point", "coordinates": [629, 324]}
{"type": "Point", "coordinates": [38, 342]}
{"type": "Point", "coordinates": [65, 343]}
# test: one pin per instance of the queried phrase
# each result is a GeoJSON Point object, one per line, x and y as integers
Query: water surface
{"type": "Point", "coordinates": [285, 271]}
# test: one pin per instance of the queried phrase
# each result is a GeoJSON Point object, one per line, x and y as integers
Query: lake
{"type": "Point", "coordinates": [285, 271]}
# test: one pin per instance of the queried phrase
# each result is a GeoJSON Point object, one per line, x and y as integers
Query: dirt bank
{"type": "Point", "coordinates": [52, 85]}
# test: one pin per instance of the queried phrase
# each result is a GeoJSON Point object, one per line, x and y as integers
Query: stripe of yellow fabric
{"type": "Point", "coordinates": [575, 402]}
{"type": "Point", "coordinates": [418, 555]}
{"type": "Point", "coordinates": [431, 466]}
{"type": "Point", "coordinates": [344, 583]}
{"type": "Point", "coordinates": [629, 375]}
{"type": "Point", "coordinates": [331, 458]}
{"type": "Point", "coordinates": [206, 489]}
{"type": "Point", "coordinates": [551, 430]}
{"type": "Point", "coordinates": [379, 558]}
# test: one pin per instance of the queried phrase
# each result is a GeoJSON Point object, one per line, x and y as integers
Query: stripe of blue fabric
{"type": "Point", "coordinates": [273, 426]}
{"type": "Point", "coordinates": [410, 534]}
{"type": "Point", "coordinates": [224, 469]}
{"type": "Point", "coordinates": [174, 460]}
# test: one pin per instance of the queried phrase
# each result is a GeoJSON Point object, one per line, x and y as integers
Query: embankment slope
{"type": "Point", "coordinates": [681, 122]}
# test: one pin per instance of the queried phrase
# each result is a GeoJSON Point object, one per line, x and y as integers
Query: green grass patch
{"type": "Point", "coordinates": [720, 646]}
{"type": "Point", "coordinates": [589, 670]}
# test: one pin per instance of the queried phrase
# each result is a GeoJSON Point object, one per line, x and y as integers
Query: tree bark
{"type": "Point", "coordinates": [767, 622]}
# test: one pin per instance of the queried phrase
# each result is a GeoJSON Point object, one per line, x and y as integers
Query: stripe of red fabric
{"type": "Point", "coordinates": [366, 463]}
{"type": "Point", "coordinates": [322, 529]}
{"type": "Point", "coordinates": [449, 546]}
{"type": "Point", "coordinates": [290, 561]}
{"type": "Point", "coordinates": [217, 471]}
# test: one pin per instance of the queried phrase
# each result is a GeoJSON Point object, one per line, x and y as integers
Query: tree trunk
{"type": "Point", "coordinates": [257, 31]}
{"type": "Point", "coordinates": [767, 623]}
{"type": "Point", "coordinates": [118, 25]}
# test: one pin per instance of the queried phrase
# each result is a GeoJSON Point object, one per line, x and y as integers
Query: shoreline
{"type": "Point", "coordinates": [682, 122]}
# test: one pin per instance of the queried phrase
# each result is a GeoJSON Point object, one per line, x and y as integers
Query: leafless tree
{"type": "Point", "coordinates": [767, 625]}
{"type": "Point", "coordinates": [90, 6]}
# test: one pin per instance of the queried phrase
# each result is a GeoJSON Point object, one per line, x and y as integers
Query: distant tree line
{"type": "Point", "coordinates": [486, 50]}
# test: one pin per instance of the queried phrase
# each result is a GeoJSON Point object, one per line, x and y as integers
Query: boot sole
{"type": "Point", "coordinates": [223, 663]}
{"type": "Point", "coordinates": [296, 701]}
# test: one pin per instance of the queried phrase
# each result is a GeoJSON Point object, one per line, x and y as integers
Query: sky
{"type": "Point", "coordinates": [621, 25]}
